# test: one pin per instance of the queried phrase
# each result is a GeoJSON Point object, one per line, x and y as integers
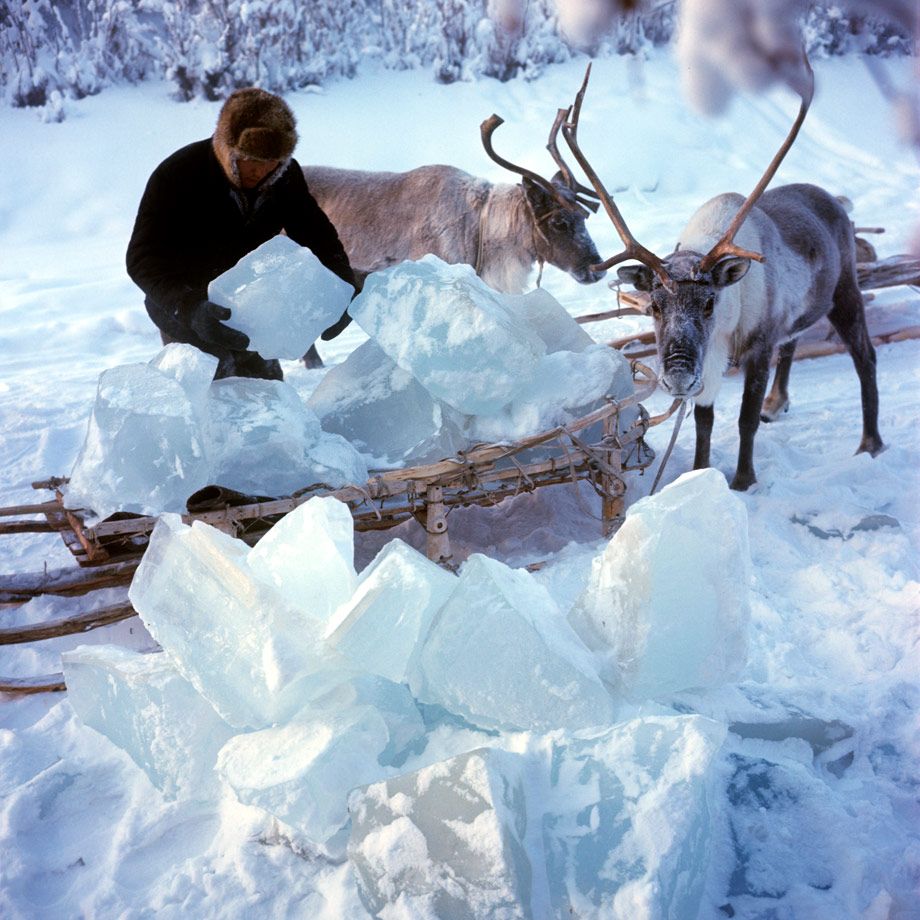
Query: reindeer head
{"type": "Point", "coordinates": [684, 314]}
{"type": "Point", "coordinates": [558, 209]}
{"type": "Point", "coordinates": [686, 286]}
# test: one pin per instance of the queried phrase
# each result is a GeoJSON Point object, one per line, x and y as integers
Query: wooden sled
{"type": "Point", "coordinates": [108, 553]}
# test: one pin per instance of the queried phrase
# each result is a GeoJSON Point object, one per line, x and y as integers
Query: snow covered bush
{"type": "Point", "coordinates": [206, 48]}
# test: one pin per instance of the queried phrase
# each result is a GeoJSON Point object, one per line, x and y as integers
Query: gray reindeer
{"type": "Point", "coordinates": [501, 230]}
{"type": "Point", "coordinates": [715, 303]}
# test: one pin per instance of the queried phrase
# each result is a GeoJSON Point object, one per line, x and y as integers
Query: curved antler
{"type": "Point", "coordinates": [583, 194]}
{"type": "Point", "coordinates": [486, 129]}
{"type": "Point", "coordinates": [725, 246]}
{"type": "Point", "coordinates": [634, 249]}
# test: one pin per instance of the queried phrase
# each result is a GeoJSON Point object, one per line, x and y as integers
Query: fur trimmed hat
{"type": "Point", "coordinates": [254, 124]}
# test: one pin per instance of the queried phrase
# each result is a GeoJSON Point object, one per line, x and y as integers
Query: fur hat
{"type": "Point", "coordinates": [256, 125]}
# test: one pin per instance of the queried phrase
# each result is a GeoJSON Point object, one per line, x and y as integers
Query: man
{"type": "Point", "coordinates": [208, 205]}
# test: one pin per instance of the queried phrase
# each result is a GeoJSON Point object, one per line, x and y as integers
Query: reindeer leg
{"type": "Point", "coordinates": [848, 317]}
{"type": "Point", "coordinates": [778, 400]}
{"type": "Point", "coordinates": [703, 417]}
{"type": "Point", "coordinates": [312, 358]}
{"type": "Point", "coordinates": [756, 375]}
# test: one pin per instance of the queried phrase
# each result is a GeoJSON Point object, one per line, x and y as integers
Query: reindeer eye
{"type": "Point", "coordinates": [558, 222]}
{"type": "Point", "coordinates": [708, 307]}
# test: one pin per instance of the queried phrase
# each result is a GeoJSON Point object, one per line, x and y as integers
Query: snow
{"type": "Point", "coordinates": [813, 799]}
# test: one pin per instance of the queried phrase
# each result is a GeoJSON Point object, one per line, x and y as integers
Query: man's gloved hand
{"type": "Point", "coordinates": [206, 319]}
{"type": "Point", "coordinates": [337, 328]}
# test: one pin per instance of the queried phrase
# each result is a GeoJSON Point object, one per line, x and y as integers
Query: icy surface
{"type": "Point", "coordinates": [385, 412]}
{"type": "Point", "coordinates": [350, 732]}
{"type": "Point", "coordinates": [232, 636]}
{"type": "Point", "coordinates": [143, 705]}
{"type": "Point", "coordinates": [308, 557]}
{"type": "Point", "coordinates": [540, 311]}
{"type": "Point", "coordinates": [500, 654]}
{"type": "Point", "coordinates": [389, 614]}
{"type": "Point", "coordinates": [143, 451]}
{"type": "Point", "coordinates": [302, 772]}
{"type": "Point", "coordinates": [626, 826]}
{"type": "Point", "coordinates": [282, 297]}
{"type": "Point", "coordinates": [452, 362]}
{"type": "Point", "coordinates": [449, 330]}
{"type": "Point", "coordinates": [567, 385]}
{"type": "Point", "coordinates": [264, 440]}
{"type": "Point", "coordinates": [446, 842]}
{"type": "Point", "coordinates": [668, 603]}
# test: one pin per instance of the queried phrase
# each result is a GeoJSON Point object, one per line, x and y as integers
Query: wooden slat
{"type": "Point", "coordinates": [46, 683]}
{"type": "Point", "coordinates": [65, 582]}
{"type": "Point", "coordinates": [891, 272]}
{"type": "Point", "coordinates": [67, 626]}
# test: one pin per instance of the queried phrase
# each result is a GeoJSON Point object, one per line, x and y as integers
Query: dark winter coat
{"type": "Point", "coordinates": [193, 224]}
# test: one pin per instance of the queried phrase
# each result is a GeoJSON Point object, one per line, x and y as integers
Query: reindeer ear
{"type": "Point", "coordinates": [730, 270]}
{"type": "Point", "coordinates": [639, 276]}
{"type": "Point", "coordinates": [540, 200]}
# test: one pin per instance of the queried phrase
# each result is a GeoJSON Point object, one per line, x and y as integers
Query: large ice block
{"type": "Point", "coordinates": [282, 297]}
{"type": "Point", "coordinates": [389, 614]}
{"type": "Point", "coordinates": [144, 451]}
{"type": "Point", "coordinates": [190, 367]}
{"type": "Point", "coordinates": [232, 636]}
{"type": "Point", "coordinates": [262, 439]}
{"type": "Point", "coordinates": [143, 705]}
{"type": "Point", "coordinates": [567, 386]}
{"type": "Point", "coordinates": [500, 654]}
{"type": "Point", "coordinates": [302, 772]}
{"type": "Point", "coordinates": [308, 557]}
{"type": "Point", "coordinates": [454, 334]}
{"type": "Point", "coordinates": [550, 320]}
{"type": "Point", "coordinates": [626, 819]}
{"type": "Point", "coordinates": [447, 841]}
{"type": "Point", "coordinates": [667, 604]}
{"type": "Point", "coordinates": [385, 412]}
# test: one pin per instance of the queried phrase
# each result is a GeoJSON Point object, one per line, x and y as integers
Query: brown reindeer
{"type": "Point", "coordinates": [502, 230]}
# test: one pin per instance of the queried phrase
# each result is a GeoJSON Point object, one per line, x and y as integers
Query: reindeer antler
{"type": "Point", "coordinates": [634, 249]}
{"type": "Point", "coordinates": [486, 129]}
{"type": "Point", "coordinates": [583, 194]}
{"type": "Point", "coordinates": [725, 246]}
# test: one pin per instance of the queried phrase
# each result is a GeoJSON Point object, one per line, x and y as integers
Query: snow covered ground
{"type": "Point", "coordinates": [819, 817]}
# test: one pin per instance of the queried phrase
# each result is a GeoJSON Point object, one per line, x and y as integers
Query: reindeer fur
{"type": "Point", "coordinates": [384, 218]}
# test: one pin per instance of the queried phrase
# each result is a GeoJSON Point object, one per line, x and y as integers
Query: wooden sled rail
{"type": "Point", "coordinates": [66, 626]}
{"type": "Point", "coordinates": [46, 683]}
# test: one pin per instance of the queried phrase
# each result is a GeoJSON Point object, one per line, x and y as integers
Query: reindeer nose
{"type": "Point", "coordinates": [680, 381]}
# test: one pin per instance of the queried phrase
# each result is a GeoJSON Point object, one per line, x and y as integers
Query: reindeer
{"type": "Point", "coordinates": [715, 303]}
{"type": "Point", "coordinates": [501, 230]}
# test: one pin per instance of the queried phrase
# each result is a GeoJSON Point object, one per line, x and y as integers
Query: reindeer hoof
{"type": "Point", "coordinates": [742, 482]}
{"type": "Point", "coordinates": [871, 446]}
{"type": "Point", "coordinates": [773, 409]}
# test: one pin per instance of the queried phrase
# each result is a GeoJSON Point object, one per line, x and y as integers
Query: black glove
{"type": "Point", "coordinates": [337, 329]}
{"type": "Point", "coordinates": [206, 319]}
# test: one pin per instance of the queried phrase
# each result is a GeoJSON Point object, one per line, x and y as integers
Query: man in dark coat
{"type": "Point", "coordinates": [208, 205]}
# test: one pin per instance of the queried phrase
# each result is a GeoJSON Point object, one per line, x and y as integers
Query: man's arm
{"type": "Point", "coordinates": [153, 259]}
